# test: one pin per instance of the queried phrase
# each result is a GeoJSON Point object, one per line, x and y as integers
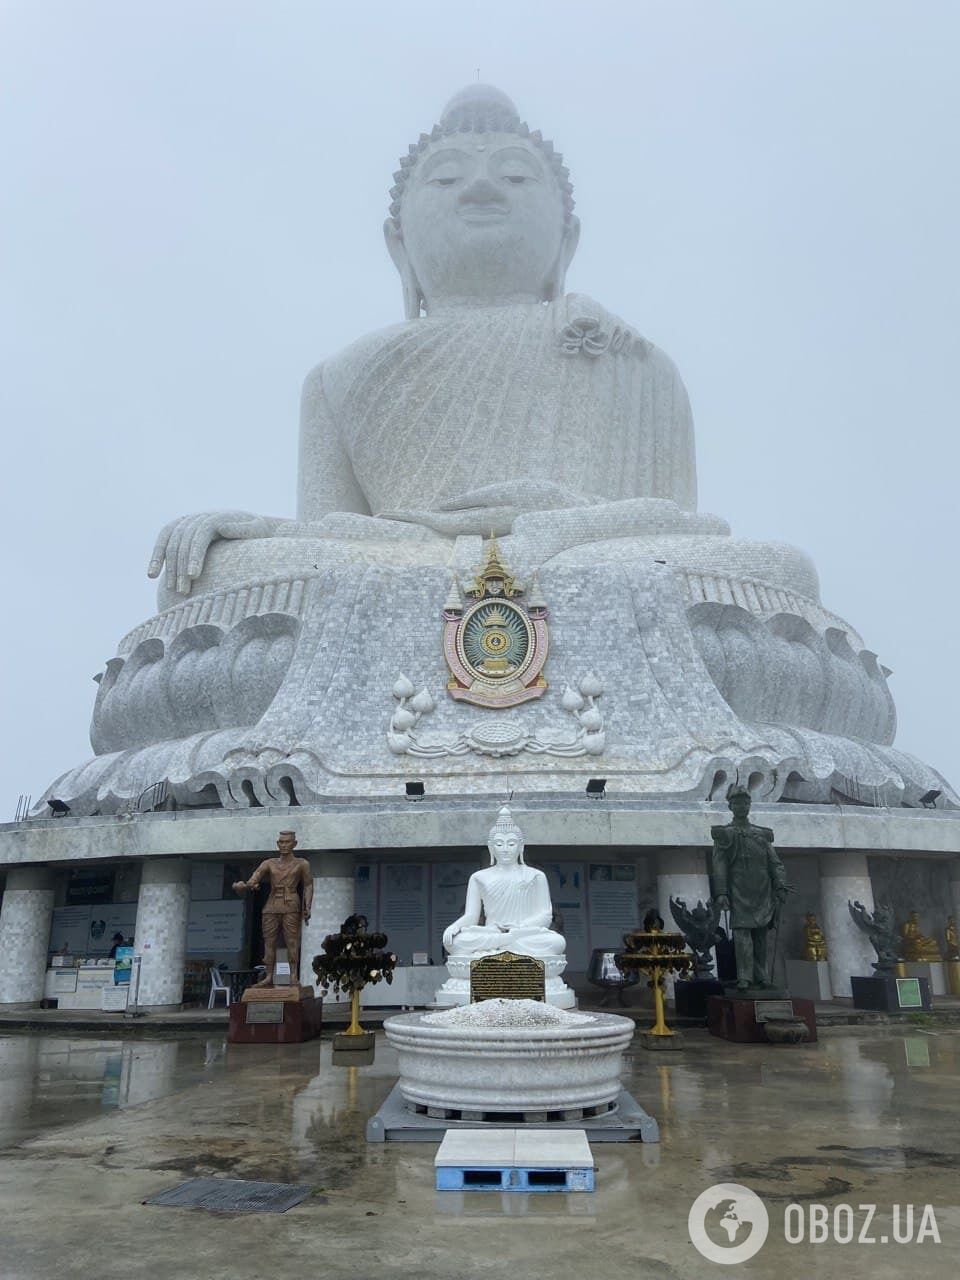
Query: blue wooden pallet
{"type": "Point", "coordinates": [512, 1178]}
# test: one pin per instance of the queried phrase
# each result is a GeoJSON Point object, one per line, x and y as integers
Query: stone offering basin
{"type": "Point", "coordinates": [510, 1057]}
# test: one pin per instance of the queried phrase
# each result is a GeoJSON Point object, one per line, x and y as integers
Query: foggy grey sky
{"type": "Point", "coordinates": [190, 216]}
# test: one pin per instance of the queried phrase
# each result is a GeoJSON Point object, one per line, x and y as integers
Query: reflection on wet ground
{"type": "Point", "coordinates": [868, 1114]}
{"type": "Point", "coordinates": [47, 1081]}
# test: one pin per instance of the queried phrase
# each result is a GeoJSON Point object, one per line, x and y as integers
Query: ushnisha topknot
{"type": "Point", "coordinates": [503, 825]}
{"type": "Point", "coordinates": [480, 108]}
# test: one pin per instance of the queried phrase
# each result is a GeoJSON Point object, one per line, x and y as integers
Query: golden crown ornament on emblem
{"type": "Point", "coordinates": [495, 645]}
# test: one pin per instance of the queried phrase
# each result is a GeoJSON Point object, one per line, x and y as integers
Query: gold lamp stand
{"type": "Point", "coordinates": [655, 954]}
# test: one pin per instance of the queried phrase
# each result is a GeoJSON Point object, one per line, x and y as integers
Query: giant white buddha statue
{"type": "Point", "coordinates": [499, 405]}
{"type": "Point", "coordinates": [514, 902]}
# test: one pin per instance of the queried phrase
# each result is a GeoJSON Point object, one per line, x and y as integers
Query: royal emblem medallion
{"type": "Point", "coordinates": [495, 645]}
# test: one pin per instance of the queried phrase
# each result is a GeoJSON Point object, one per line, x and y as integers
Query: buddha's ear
{"type": "Point", "coordinates": [412, 293]}
{"type": "Point", "coordinates": [568, 247]}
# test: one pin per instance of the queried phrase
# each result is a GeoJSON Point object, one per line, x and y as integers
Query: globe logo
{"type": "Point", "coordinates": [728, 1223]}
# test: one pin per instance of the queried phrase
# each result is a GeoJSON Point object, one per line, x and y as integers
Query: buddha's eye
{"type": "Point", "coordinates": [443, 182]}
{"type": "Point", "coordinates": [516, 178]}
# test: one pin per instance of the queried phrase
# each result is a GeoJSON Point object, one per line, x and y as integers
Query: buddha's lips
{"type": "Point", "coordinates": [483, 213]}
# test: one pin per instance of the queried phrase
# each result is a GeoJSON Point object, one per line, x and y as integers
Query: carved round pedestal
{"type": "Point", "coordinates": [456, 989]}
{"type": "Point", "coordinates": [569, 1070]}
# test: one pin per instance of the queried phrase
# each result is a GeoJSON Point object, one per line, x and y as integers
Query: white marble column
{"type": "Point", "coordinates": [160, 938]}
{"type": "Point", "coordinates": [332, 903]}
{"type": "Point", "coordinates": [844, 878]}
{"type": "Point", "coordinates": [681, 873]}
{"type": "Point", "coordinates": [25, 935]}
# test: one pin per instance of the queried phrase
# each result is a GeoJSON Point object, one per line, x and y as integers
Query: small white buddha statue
{"type": "Point", "coordinates": [514, 900]}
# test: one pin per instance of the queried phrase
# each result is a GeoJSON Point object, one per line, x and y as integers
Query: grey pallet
{"type": "Point", "coordinates": [394, 1123]}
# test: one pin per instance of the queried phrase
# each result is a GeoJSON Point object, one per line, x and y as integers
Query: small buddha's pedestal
{"type": "Point", "coordinates": [275, 1015]}
{"type": "Point", "coordinates": [932, 970]}
{"type": "Point", "coordinates": [809, 979]}
{"type": "Point", "coordinates": [768, 1020]}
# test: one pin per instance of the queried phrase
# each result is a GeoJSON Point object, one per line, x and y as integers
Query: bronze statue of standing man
{"type": "Point", "coordinates": [284, 911]}
{"type": "Point", "coordinates": [750, 882]}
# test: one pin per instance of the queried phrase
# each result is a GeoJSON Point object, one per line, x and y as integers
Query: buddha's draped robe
{"type": "Point", "coordinates": [552, 405]}
{"type": "Point", "coordinates": [520, 898]}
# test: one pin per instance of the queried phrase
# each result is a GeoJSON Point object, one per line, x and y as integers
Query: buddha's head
{"type": "Point", "coordinates": [739, 801]}
{"type": "Point", "coordinates": [482, 210]}
{"type": "Point", "coordinates": [505, 841]}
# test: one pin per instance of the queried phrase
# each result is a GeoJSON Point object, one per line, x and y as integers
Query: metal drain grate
{"type": "Point", "coordinates": [232, 1195]}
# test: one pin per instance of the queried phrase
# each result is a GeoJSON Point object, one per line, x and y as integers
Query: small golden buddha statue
{"type": "Point", "coordinates": [814, 941]}
{"type": "Point", "coordinates": [952, 950]}
{"type": "Point", "coordinates": [915, 947]}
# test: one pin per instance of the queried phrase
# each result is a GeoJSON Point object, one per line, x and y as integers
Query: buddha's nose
{"type": "Point", "coordinates": [483, 192]}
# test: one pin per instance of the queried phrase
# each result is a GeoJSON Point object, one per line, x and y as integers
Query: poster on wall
{"type": "Point", "coordinates": [612, 894]}
{"type": "Point", "coordinates": [566, 880]}
{"type": "Point", "coordinates": [123, 966]}
{"type": "Point", "coordinates": [449, 893]}
{"type": "Point", "coordinates": [404, 900]}
{"type": "Point", "coordinates": [70, 930]}
{"type": "Point", "coordinates": [215, 929]}
{"type": "Point", "coordinates": [89, 931]}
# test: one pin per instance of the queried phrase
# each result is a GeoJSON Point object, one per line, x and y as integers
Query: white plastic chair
{"type": "Point", "coordinates": [217, 985]}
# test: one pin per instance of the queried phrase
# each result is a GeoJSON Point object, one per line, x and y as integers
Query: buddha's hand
{"type": "Point", "coordinates": [448, 937]}
{"type": "Point", "coordinates": [183, 543]}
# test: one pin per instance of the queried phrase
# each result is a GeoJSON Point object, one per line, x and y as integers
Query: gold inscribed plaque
{"type": "Point", "coordinates": [268, 1011]}
{"type": "Point", "coordinates": [507, 976]}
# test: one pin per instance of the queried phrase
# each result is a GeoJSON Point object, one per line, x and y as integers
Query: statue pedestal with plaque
{"type": "Point", "coordinates": [761, 1021]}
{"type": "Point", "coordinates": [275, 1015]}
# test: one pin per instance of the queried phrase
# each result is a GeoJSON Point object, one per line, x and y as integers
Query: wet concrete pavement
{"type": "Point", "coordinates": [90, 1128]}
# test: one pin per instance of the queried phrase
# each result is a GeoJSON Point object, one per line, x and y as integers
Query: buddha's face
{"type": "Point", "coordinates": [505, 847]}
{"type": "Point", "coordinates": [482, 219]}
